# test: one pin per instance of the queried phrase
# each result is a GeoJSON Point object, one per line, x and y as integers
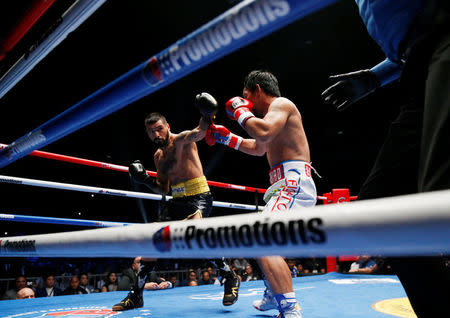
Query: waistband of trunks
{"type": "Point", "coordinates": [278, 171]}
{"type": "Point", "coordinates": [190, 187]}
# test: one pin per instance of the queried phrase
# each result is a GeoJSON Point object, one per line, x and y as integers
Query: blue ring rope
{"type": "Point", "coordinates": [239, 26]}
{"type": "Point", "coordinates": [64, 221]}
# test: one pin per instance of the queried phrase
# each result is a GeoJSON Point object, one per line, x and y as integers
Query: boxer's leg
{"type": "Point", "coordinates": [279, 277]}
{"type": "Point", "coordinates": [135, 297]}
{"type": "Point", "coordinates": [230, 280]}
{"type": "Point", "coordinates": [278, 280]}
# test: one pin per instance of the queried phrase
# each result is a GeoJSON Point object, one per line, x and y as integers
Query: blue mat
{"type": "Point", "coordinates": [329, 295]}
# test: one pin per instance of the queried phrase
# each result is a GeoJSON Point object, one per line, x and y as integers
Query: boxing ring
{"type": "Point", "coordinates": [408, 225]}
{"type": "Point", "coordinates": [356, 294]}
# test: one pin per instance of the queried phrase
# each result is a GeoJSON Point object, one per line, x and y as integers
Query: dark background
{"type": "Point", "coordinates": [122, 34]}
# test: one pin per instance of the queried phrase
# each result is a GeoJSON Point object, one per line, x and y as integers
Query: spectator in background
{"type": "Point", "coordinates": [49, 289]}
{"type": "Point", "coordinates": [240, 264]}
{"type": "Point", "coordinates": [206, 279]}
{"type": "Point", "coordinates": [74, 287]}
{"type": "Point", "coordinates": [102, 281]}
{"type": "Point", "coordinates": [300, 270]}
{"type": "Point", "coordinates": [20, 283]}
{"type": "Point", "coordinates": [84, 283]}
{"type": "Point", "coordinates": [292, 267]}
{"type": "Point", "coordinates": [66, 276]}
{"type": "Point", "coordinates": [110, 283]}
{"type": "Point", "coordinates": [364, 264]}
{"type": "Point", "coordinates": [174, 281]}
{"type": "Point", "coordinates": [249, 274]}
{"type": "Point", "coordinates": [24, 293]}
{"type": "Point", "coordinates": [382, 267]}
{"type": "Point", "coordinates": [355, 265]}
{"type": "Point", "coordinates": [155, 282]}
{"type": "Point", "coordinates": [314, 265]}
{"type": "Point", "coordinates": [192, 276]}
{"type": "Point", "coordinates": [212, 273]}
{"type": "Point", "coordinates": [129, 275]}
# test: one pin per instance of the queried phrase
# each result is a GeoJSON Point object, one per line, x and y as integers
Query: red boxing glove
{"type": "Point", "coordinates": [239, 109]}
{"type": "Point", "coordinates": [209, 137]}
{"type": "Point", "coordinates": [220, 134]}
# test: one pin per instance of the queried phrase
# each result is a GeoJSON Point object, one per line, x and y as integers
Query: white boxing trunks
{"type": "Point", "coordinates": [291, 186]}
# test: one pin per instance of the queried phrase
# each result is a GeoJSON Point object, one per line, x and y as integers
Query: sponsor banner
{"type": "Point", "coordinates": [12, 246]}
{"type": "Point", "coordinates": [385, 228]}
{"type": "Point", "coordinates": [6, 216]}
{"type": "Point", "coordinates": [261, 233]}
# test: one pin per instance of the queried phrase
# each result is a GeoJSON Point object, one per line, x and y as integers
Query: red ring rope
{"type": "Point", "coordinates": [109, 166]}
{"type": "Point", "coordinates": [331, 197]}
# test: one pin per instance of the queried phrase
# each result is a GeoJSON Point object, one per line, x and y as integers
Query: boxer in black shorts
{"type": "Point", "coordinates": [179, 169]}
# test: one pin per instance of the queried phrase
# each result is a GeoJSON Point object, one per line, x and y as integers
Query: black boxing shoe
{"type": "Point", "coordinates": [231, 289]}
{"type": "Point", "coordinates": [133, 300]}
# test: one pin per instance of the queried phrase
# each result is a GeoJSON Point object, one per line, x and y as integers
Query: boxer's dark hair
{"type": "Point", "coordinates": [153, 118]}
{"type": "Point", "coordinates": [266, 80]}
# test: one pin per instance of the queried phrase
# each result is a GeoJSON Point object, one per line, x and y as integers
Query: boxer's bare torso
{"type": "Point", "coordinates": [290, 143]}
{"type": "Point", "coordinates": [177, 158]}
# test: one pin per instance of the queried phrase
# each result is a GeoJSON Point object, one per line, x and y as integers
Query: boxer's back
{"type": "Point", "coordinates": [291, 142]}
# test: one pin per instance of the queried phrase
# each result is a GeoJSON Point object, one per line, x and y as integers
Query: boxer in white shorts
{"type": "Point", "coordinates": [291, 186]}
{"type": "Point", "coordinates": [277, 132]}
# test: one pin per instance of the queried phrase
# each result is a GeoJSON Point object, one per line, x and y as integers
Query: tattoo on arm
{"type": "Point", "coordinates": [190, 136]}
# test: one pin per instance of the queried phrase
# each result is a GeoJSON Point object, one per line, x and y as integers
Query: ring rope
{"type": "Point", "coordinates": [63, 221]}
{"type": "Point", "coordinates": [239, 26]}
{"type": "Point", "coordinates": [26, 21]}
{"type": "Point", "coordinates": [115, 167]}
{"type": "Point", "coordinates": [110, 166]}
{"type": "Point", "coordinates": [70, 20]}
{"type": "Point", "coordinates": [397, 226]}
{"type": "Point", "coordinates": [113, 192]}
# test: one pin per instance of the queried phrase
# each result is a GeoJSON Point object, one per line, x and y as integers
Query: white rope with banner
{"type": "Point", "coordinates": [107, 191]}
{"type": "Point", "coordinates": [416, 224]}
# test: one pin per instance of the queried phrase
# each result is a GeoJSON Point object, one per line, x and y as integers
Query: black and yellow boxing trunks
{"type": "Point", "coordinates": [190, 198]}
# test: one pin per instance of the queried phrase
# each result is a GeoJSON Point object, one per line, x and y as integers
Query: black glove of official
{"type": "Point", "coordinates": [349, 88]}
{"type": "Point", "coordinates": [207, 105]}
{"type": "Point", "coordinates": [138, 174]}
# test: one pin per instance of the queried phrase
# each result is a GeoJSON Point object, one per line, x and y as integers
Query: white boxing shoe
{"type": "Point", "coordinates": [268, 302]}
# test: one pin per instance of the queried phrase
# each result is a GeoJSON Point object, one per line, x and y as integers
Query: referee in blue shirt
{"type": "Point", "coordinates": [415, 157]}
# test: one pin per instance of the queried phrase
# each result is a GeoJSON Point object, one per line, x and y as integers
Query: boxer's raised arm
{"type": "Point", "coordinates": [267, 128]}
{"type": "Point", "coordinates": [221, 135]}
{"type": "Point", "coordinates": [253, 147]}
{"type": "Point", "coordinates": [194, 135]}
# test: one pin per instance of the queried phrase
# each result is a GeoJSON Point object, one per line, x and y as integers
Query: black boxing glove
{"type": "Point", "coordinates": [138, 174]}
{"type": "Point", "coordinates": [207, 105]}
{"type": "Point", "coordinates": [349, 88]}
